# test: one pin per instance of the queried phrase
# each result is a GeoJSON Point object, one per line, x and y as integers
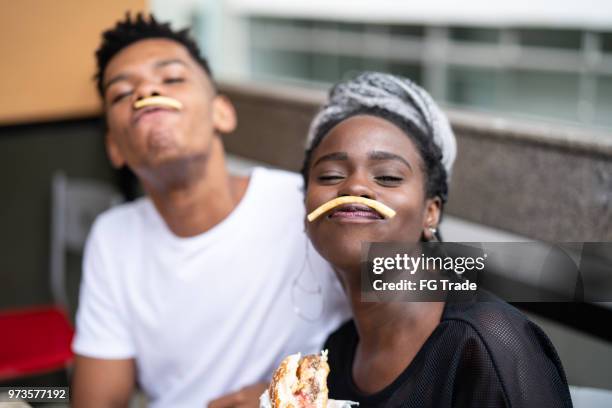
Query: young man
{"type": "Point", "coordinates": [199, 289]}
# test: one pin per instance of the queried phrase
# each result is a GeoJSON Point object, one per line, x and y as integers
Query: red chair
{"type": "Point", "coordinates": [34, 341]}
{"type": "Point", "coordinates": [37, 340]}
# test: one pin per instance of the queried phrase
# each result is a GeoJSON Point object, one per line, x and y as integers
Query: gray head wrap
{"type": "Point", "coordinates": [397, 95]}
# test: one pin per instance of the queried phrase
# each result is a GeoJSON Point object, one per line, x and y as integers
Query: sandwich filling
{"type": "Point", "coordinates": [300, 382]}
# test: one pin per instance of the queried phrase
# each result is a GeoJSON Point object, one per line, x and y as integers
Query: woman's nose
{"type": "Point", "coordinates": [357, 185]}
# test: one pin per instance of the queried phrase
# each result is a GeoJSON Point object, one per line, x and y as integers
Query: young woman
{"type": "Point", "coordinates": [382, 137]}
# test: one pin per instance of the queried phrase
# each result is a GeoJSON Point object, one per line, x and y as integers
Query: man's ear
{"type": "Point", "coordinates": [113, 151]}
{"type": "Point", "coordinates": [224, 115]}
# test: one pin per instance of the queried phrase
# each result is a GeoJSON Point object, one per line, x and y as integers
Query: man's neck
{"type": "Point", "coordinates": [208, 195]}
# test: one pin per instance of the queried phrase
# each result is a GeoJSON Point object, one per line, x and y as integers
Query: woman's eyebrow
{"type": "Point", "coordinates": [382, 155]}
{"type": "Point", "coordinates": [331, 157]}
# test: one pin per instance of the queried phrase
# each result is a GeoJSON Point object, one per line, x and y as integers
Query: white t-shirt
{"type": "Point", "coordinates": [207, 315]}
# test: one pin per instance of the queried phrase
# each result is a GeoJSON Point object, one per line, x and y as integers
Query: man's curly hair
{"type": "Point", "coordinates": [131, 30]}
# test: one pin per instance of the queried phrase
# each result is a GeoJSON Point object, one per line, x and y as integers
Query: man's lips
{"type": "Point", "coordinates": [149, 110]}
{"type": "Point", "coordinates": [355, 212]}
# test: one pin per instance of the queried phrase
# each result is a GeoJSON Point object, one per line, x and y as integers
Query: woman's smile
{"type": "Point", "coordinates": [354, 213]}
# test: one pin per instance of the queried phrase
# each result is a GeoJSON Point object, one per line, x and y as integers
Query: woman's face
{"type": "Point", "coordinates": [370, 157]}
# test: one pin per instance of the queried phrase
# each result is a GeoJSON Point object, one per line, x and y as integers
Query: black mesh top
{"type": "Point", "coordinates": [483, 353]}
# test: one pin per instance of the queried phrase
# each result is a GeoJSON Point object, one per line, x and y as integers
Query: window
{"type": "Point", "coordinates": [542, 37]}
{"type": "Point", "coordinates": [531, 71]}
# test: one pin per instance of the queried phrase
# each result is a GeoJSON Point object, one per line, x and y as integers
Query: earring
{"type": "Point", "coordinates": [433, 233]}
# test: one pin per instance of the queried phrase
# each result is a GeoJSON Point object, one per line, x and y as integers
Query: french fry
{"type": "Point", "coordinates": [376, 205]}
{"type": "Point", "coordinates": [158, 101]}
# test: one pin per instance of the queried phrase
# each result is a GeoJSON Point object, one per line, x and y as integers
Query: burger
{"type": "Point", "coordinates": [300, 382]}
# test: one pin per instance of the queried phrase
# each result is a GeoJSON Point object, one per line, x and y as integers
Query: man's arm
{"type": "Point", "coordinates": [105, 379]}
{"type": "Point", "coordinates": [101, 383]}
{"type": "Point", "coordinates": [247, 397]}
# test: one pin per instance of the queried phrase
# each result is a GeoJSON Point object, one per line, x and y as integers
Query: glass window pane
{"type": "Point", "coordinates": [473, 34]}
{"type": "Point", "coordinates": [569, 39]}
{"type": "Point", "coordinates": [606, 42]}
{"type": "Point", "coordinates": [299, 23]}
{"type": "Point", "coordinates": [351, 27]}
{"type": "Point", "coordinates": [603, 106]}
{"type": "Point", "coordinates": [350, 66]}
{"type": "Point", "coordinates": [325, 67]}
{"type": "Point", "coordinates": [325, 25]}
{"type": "Point", "coordinates": [373, 64]}
{"type": "Point", "coordinates": [407, 30]}
{"type": "Point", "coordinates": [472, 87]}
{"type": "Point", "coordinates": [540, 93]}
{"type": "Point", "coordinates": [270, 63]}
{"type": "Point", "coordinates": [411, 71]}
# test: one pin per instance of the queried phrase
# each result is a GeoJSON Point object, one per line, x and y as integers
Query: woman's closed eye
{"type": "Point", "coordinates": [389, 180]}
{"type": "Point", "coordinates": [330, 178]}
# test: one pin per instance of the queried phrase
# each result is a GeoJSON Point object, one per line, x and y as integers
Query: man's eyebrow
{"type": "Point", "coordinates": [382, 155]}
{"type": "Point", "coordinates": [120, 77]}
{"type": "Point", "coordinates": [331, 157]}
{"type": "Point", "coordinates": [159, 64]}
{"type": "Point", "coordinates": [163, 63]}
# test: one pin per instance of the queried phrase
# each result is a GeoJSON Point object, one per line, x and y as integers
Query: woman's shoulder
{"type": "Point", "coordinates": [489, 332]}
{"type": "Point", "coordinates": [500, 326]}
{"type": "Point", "coordinates": [340, 347]}
{"type": "Point", "coordinates": [483, 310]}
{"type": "Point", "coordinates": [342, 335]}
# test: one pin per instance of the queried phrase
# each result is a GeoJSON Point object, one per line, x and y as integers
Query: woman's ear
{"type": "Point", "coordinates": [113, 151]}
{"type": "Point", "coordinates": [224, 115]}
{"type": "Point", "coordinates": [433, 207]}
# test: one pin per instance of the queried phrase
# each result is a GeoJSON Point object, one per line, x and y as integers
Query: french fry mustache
{"type": "Point", "coordinates": [376, 205]}
{"type": "Point", "coordinates": [162, 101]}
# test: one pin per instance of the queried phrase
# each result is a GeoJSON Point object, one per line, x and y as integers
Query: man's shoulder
{"type": "Point", "coordinates": [275, 178]}
{"type": "Point", "coordinates": [117, 219]}
{"type": "Point", "coordinates": [280, 192]}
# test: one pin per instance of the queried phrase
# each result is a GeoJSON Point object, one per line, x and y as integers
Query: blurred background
{"type": "Point", "coordinates": [527, 86]}
{"type": "Point", "coordinates": [547, 59]}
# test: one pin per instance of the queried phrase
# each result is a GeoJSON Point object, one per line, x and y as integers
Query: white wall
{"type": "Point", "coordinates": [557, 13]}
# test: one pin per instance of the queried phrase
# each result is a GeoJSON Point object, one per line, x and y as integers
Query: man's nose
{"type": "Point", "coordinates": [357, 185]}
{"type": "Point", "coordinates": [147, 89]}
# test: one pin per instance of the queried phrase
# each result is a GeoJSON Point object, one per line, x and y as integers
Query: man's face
{"type": "Point", "coordinates": [145, 139]}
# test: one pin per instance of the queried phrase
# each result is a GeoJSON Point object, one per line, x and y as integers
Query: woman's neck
{"type": "Point", "coordinates": [389, 325]}
{"type": "Point", "coordinates": [390, 336]}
